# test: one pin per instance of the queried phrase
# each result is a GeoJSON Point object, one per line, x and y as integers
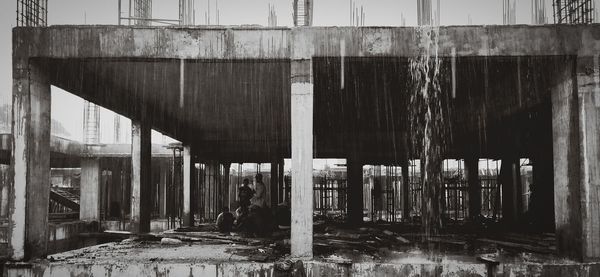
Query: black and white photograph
{"type": "Point", "coordinates": [272, 138]}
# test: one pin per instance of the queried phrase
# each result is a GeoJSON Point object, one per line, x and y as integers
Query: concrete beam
{"type": "Point", "coordinates": [152, 42]}
{"type": "Point", "coordinates": [576, 154]}
{"type": "Point", "coordinates": [276, 43]}
{"type": "Point", "coordinates": [89, 199]}
{"type": "Point", "coordinates": [302, 159]}
{"type": "Point", "coordinates": [140, 177]}
{"type": "Point", "coordinates": [30, 160]}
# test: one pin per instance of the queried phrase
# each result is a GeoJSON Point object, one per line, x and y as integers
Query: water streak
{"type": "Point", "coordinates": [427, 124]}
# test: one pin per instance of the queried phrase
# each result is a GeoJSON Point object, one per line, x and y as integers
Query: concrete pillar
{"type": "Point", "coordinates": [162, 189]}
{"type": "Point", "coordinates": [30, 160]}
{"type": "Point", "coordinates": [405, 192]}
{"type": "Point", "coordinates": [302, 159]}
{"type": "Point", "coordinates": [510, 179]}
{"type": "Point", "coordinates": [226, 185]}
{"type": "Point", "coordinates": [355, 191]}
{"type": "Point", "coordinates": [233, 201]}
{"type": "Point", "coordinates": [141, 202]}
{"type": "Point", "coordinates": [576, 157]}
{"type": "Point", "coordinates": [89, 198]}
{"type": "Point", "coordinates": [472, 172]}
{"type": "Point", "coordinates": [281, 184]}
{"type": "Point", "coordinates": [187, 184]}
{"type": "Point", "coordinates": [274, 190]}
{"type": "Point", "coordinates": [209, 187]}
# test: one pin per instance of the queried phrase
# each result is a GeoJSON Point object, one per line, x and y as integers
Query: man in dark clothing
{"type": "Point", "coordinates": [225, 221]}
{"type": "Point", "coordinates": [245, 193]}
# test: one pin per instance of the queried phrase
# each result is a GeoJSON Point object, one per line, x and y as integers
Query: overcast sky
{"type": "Point", "coordinates": [68, 109]}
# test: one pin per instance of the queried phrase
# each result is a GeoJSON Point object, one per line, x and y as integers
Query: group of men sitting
{"type": "Point", "coordinates": [253, 217]}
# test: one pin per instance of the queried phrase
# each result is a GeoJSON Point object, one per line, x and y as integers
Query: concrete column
{"type": "Point", "coordinates": [302, 159]}
{"type": "Point", "coordinates": [30, 160]}
{"type": "Point", "coordinates": [576, 156]}
{"type": "Point", "coordinates": [226, 185]}
{"type": "Point", "coordinates": [162, 189]}
{"type": "Point", "coordinates": [274, 190]}
{"type": "Point", "coordinates": [141, 202]}
{"type": "Point", "coordinates": [510, 179]}
{"type": "Point", "coordinates": [210, 189]}
{"type": "Point", "coordinates": [405, 192]}
{"type": "Point", "coordinates": [187, 183]}
{"type": "Point", "coordinates": [89, 199]}
{"type": "Point", "coordinates": [472, 172]}
{"type": "Point", "coordinates": [355, 191]}
{"type": "Point", "coordinates": [281, 184]}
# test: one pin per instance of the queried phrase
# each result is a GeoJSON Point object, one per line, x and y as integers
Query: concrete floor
{"type": "Point", "coordinates": [150, 258]}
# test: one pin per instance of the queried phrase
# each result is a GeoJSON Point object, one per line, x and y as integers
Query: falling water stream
{"type": "Point", "coordinates": [427, 124]}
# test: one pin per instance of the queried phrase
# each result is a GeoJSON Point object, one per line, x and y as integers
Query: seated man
{"type": "Point", "coordinates": [259, 198]}
{"type": "Point", "coordinates": [225, 221]}
{"type": "Point", "coordinates": [245, 193]}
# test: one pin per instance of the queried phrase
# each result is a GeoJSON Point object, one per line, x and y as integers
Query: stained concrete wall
{"type": "Point", "coordinates": [313, 268]}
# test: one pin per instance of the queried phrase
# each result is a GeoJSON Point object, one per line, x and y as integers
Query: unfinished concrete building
{"type": "Point", "coordinates": [260, 95]}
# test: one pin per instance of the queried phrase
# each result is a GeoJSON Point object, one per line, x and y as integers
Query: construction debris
{"type": "Point", "coordinates": [170, 241]}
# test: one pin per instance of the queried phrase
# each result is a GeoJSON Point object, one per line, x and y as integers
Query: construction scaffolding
{"type": "Point", "coordinates": [272, 19]}
{"type": "Point", "coordinates": [139, 12]}
{"type": "Point", "coordinates": [573, 11]}
{"type": "Point", "coordinates": [186, 12]}
{"type": "Point", "coordinates": [509, 12]}
{"type": "Point", "coordinates": [32, 13]}
{"type": "Point", "coordinates": [428, 13]}
{"type": "Point", "coordinates": [91, 123]}
{"type": "Point", "coordinates": [303, 12]}
{"type": "Point", "coordinates": [357, 15]}
{"type": "Point", "coordinates": [142, 11]}
{"type": "Point", "coordinates": [538, 12]}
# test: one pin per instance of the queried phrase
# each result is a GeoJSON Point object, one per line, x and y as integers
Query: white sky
{"type": "Point", "coordinates": [68, 109]}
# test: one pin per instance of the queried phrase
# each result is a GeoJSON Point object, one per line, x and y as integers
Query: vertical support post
{"type": "Point", "coordinates": [233, 203]}
{"type": "Point", "coordinates": [274, 184]}
{"type": "Point", "coordinates": [140, 176]}
{"type": "Point", "coordinates": [89, 199]}
{"type": "Point", "coordinates": [281, 183]}
{"type": "Point", "coordinates": [30, 159]}
{"type": "Point", "coordinates": [302, 158]}
{"type": "Point", "coordinates": [115, 188]}
{"type": "Point", "coordinates": [509, 175]}
{"type": "Point", "coordinates": [225, 188]}
{"type": "Point", "coordinates": [576, 160]}
{"type": "Point", "coordinates": [187, 184]}
{"type": "Point", "coordinates": [355, 191]}
{"type": "Point", "coordinates": [472, 168]}
{"type": "Point", "coordinates": [162, 189]}
{"type": "Point", "coordinates": [405, 192]}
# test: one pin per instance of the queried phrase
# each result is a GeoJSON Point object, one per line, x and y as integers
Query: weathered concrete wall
{"type": "Point", "coordinates": [310, 269]}
{"type": "Point", "coordinates": [61, 237]}
{"type": "Point", "coordinates": [65, 236]}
